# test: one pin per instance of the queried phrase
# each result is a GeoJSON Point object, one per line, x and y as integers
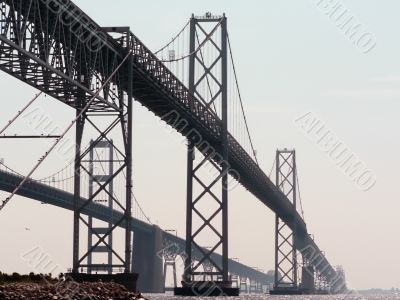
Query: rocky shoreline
{"type": "Point", "coordinates": [67, 290]}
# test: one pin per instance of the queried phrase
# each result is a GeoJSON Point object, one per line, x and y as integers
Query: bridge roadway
{"type": "Point", "coordinates": [154, 86]}
{"type": "Point", "coordinates": [46, 194]}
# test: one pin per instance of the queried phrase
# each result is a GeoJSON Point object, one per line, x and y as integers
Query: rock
{"type": "Point", "coordinates": [59, 291]}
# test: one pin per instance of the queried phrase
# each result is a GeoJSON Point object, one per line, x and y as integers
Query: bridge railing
{"type": "Point", "coordinates": [159, 72]}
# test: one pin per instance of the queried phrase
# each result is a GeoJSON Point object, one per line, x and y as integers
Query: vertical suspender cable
{"type": "Point", "coordinates": [241, 102]}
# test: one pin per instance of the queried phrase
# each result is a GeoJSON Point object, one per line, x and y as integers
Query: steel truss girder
{"type": "Point", "coordinates": [39, 48]}
{"type": "Point", "coordinates": [193, 269]}
{"type": "Point", "coordinates": [285, 247]}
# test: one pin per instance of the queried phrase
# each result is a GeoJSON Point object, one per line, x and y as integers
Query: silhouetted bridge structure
{"type": "Point", "coordinates": [55, 47]}
{"type": "Point", "coordinates": [49, 195]}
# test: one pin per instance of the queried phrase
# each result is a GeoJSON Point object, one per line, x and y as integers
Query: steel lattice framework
{"type": "Point", "coordinates": [170, 253]}
{"type": "Point", "coordinates": [101, 169]}
{"type": "Point", "coordinates": [120, 117]}
{"type": "Point", "coordinates": [55, 47]}
{"type": "Point", "coordinates": [217, 190]}
{"type": "Point", "coordinates": [52, 196]}
{"type": "Point", "coordinates": [285, 249]}
{"type": "Point", "coordinates": [43, 45]}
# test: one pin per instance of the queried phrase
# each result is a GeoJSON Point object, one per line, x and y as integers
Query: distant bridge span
{"type": "Point", "coordinates": [46, 194]}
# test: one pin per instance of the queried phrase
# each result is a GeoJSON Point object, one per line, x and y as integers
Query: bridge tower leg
{"type": "Point", "coordinates": [170, 262]}
{"type": "Point", "coordinates": [208, 271]}
{"type": "Point", "coordinates": [243, 285]}
{"type": "Point", "coordinates": [104, 120]}
{"type": "Point", "coordinates": [259, 288]}
{"type": "Point", "coordinates": [207, 203]}
{"type": "Point", "coordinates": [285, 281]}
{"type": "Point", "coordinates": [253, 286]}
{"type": "Point", "coordinates": [170, 253]}
{"type": "Point", "coordinates": [307, 284]}
{"type": "Point", "coordinates": [321, 284]}
{"type": "Point", "coordinates": [235, 280]}
{"type": "Point", "coordinates": [101, 166]}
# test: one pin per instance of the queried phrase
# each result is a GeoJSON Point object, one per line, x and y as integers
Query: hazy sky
{"type": "Point", "coordinates": [291, 59]}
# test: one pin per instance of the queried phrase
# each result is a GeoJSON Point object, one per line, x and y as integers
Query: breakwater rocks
{"type": "Point", "coordinates": [66, 290]}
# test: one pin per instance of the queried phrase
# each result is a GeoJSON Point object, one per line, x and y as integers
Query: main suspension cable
{"type": "Point", "coordinates": [80, 115]}
{"type": "Point", "coordinates": [173, 39]}
{"type": "Point", "coordinates": [298, 190]}
{"type": "Point", "coordinates": [272, 169]}
{"type": "Point", "coordinates": [43, 180]}
{"type": "Point", "coordinates": [10, 170]}
{"type": "Point", "coordinates": [133, 195]}
{"type": "Point", "coordinates": [197, 49]}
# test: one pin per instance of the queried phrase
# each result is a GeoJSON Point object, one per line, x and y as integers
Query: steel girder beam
{"type": "Point", "coordinates": [285, 248]}
{"type": "Point", "coordinates": [217, 190]}
{"type": "Point", "coordinates": [38, 47]}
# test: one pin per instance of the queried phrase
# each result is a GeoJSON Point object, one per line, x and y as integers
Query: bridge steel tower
{"type": "Point", "coordinates": [170, 253]}
{"type": "Point", "coordinates": [105, 121]}
{"type": "Point", "coordinates": [201, 193]}
{"type": "Point", "coordinates": [101, 167]}
{"type": "Point", "coordinates": [286, 276]}
{"type": "Point", "coordinates": [243, 284]}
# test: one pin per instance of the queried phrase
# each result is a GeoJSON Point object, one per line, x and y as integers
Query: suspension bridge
{"type": "Point", "coordinates": [191, 83]}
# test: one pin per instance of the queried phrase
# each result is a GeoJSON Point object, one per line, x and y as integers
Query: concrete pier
{"type": "Point", "coordinates": [147, 261]}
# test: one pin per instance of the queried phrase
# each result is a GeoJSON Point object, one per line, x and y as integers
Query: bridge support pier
{"type": "Point", "coordinates": [170, 263]}
{"type": "Point", "coordinates": [243, 285]}
{"type": "Point", "coordinates": [259, 288]}
{"type": "Point", "coordinates": [235, 280]}
{"type": "Point", "coordinates": [170, 253]}
{"type": "Point", "coordinates": [308, 279]}
{"type": "Point", "coordinates": [147, 260]}
{"type": "Point", "coordinates": [252, 286]}
{"type": "Point", "coordinates": [321, 284]}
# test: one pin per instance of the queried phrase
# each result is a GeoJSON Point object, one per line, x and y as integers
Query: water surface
{"type": "Point", "coordinates": [268, 297]}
